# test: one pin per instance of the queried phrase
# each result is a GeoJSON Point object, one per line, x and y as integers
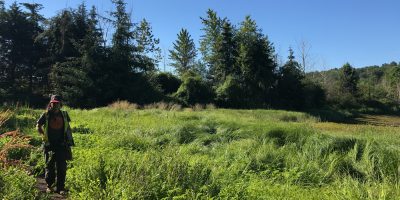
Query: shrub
{"type": "Point", "coordinates": [123, 105]}
{"type": "Point", "coordinates": [230, 94]}
{"type": "Point", "coordinates": [198, 107]}
{"type": "Point", "coordinates": [168, 82]}
{"type": "Point", "coordinates": [17, 184]}
{"type": "Point", "coordinates": [314, 94]}
{"type": "Point", "coordinates": [210, 106]}
{"type": "Point", "coordinates": [194, 90]}
{"type": "Point", "coordinates": [164, 106]}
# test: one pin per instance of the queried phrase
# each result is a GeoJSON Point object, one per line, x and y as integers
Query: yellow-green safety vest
{"type": "Point", "coordinates": [46, 127]}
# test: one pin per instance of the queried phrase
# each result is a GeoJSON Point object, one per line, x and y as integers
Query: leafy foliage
{"type": "Point", "coordinates": [168, 82]}
{"type": "Point", "coordinates": [194, 90]}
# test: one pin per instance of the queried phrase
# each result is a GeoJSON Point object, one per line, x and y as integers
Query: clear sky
{"type": "Point", "coordinates": [361, 32]}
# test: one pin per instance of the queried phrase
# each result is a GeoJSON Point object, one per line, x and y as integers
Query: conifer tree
{"type": "Point", "coordinates": [69, 75]}
{"type": "Point", "coordinates": [35, 50]}
{"type": "Point", "coordinates": [94, 57]}
{"type": "Point", "coordinates": [184, 53]}
{"type": "Point", "coordinates": [16, 42]}
{"type": "Point", "coordinates": [117, 78]}
{"type": "Point", "coordinates": [147, 54]}
{"type": "Point", "coordinates": [208, 42]}
{"type": "Point", "coordinates": [122, 47]}
{"type": "Point", "coordinates": [290, 87]}
{"type": "Point", "coordinates": [256, 60]}
{"type": "Point", "coordinates": [348, 78]}
{"type": "Point", "coordinates": [226, 54]}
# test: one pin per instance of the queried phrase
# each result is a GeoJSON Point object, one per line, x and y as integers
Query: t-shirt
{"type": "Point", "coordinates": [56, 127]}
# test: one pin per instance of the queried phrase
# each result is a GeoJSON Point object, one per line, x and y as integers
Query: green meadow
{"type": "Point", "coordinates": [208, 154]}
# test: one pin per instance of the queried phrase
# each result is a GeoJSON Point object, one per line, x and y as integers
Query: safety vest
{"type": "Point", "coordinates": [66, 127]}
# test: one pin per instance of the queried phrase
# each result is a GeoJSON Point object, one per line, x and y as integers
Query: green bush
{"type": "Point", "coordinates": [194, 90]}
{"type": "Point", "coordinates": [230, 94]}
{"type": "Point", "coordinates": [17, 184]}
{"type": "Point", "coordinates": [167, 82]}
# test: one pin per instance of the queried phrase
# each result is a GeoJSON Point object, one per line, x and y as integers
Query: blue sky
{"type": "Point", "coordinates": [361, 32]}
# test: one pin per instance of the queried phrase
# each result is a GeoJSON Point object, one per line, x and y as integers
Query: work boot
{"type": "Point", "coordinates": [49, 190]}
{"type": "Point", "coordinates": [62, 192]}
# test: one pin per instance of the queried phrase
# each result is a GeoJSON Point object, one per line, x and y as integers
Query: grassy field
{"type": "Point", "coordinates": [212, 153]}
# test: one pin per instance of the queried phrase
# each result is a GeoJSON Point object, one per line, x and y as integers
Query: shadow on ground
{"type": "Point", "coordinates": [330, 115]}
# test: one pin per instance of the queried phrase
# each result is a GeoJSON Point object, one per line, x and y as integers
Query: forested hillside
{"type": "Point", "coordinates": [376, 87]}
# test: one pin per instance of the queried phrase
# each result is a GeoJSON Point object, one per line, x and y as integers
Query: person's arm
{"type": "Point", "coordinates": [40, 123]}
{"type": "Point", "coordinates": [40, 128]}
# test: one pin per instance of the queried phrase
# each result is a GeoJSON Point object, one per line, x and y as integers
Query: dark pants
{"type": "Point", "coordinates": [56, 166]}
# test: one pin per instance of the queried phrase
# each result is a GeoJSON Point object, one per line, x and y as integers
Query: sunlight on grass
{"type": "Point", "coordinates": [223, 153]}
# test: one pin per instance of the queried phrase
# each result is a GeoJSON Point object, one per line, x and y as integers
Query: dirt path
{"type": "Point", "coordinates": [41, 186]}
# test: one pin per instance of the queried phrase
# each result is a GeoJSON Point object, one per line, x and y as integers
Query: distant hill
{"type": "Point", "coordinates": [375, 84]}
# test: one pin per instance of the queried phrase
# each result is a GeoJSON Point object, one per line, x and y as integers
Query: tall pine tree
{"type": "Point", "coordinates": [36, 50]}
{"type": "Point", "coordinates": [226, 54]}
{"type": "Point", "coordinates": [209, 40]}
{"type": "Point", "coordinates": [290, 87]}
{"type": "Point", "coordinates": [348, 79]}
{"type": "Point", "coordinates": [256, 60]}
{"type": "Point", "coordinates": [118, 75]}
{"type": "Point", "coordinates": [69, 75]}
{"type": "Point", "coordinates": [147, 54]}
{"type": "Point", "coordinates": [184, 53]}
{"type": "Point", "coordinates": [16, 43]}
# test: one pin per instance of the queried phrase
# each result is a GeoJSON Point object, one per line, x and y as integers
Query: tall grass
{"type": "Point", "coordinates": [220, 153]}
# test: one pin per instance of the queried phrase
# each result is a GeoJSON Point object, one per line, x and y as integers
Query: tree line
{"type": "Point", "coordinates": [75, 55]}
{"type": "Point", "coordinates": [371, 87]}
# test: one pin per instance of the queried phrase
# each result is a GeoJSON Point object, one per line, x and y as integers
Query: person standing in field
{"type": "Point", "coordinates": [53, 125]}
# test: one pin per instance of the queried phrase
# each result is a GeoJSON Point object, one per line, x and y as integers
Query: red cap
{"type": "Point", "coordinates": [55, 99]}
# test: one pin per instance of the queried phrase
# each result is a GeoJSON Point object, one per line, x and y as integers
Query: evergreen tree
{"type": "Point", "coordinates": [256, 61]}
{"type": "Point", "coordinates": [35, 51]}
{"type": "Point", "coordinates": [117, 80]}
{"type": "Point", "coordinates": [226, 72]}
{"type": "Point", "coordinates": [60, 37]}
{"type": "Point", "coordinates": [80, 24]}
{"type": "Point", "coordinates": [69, 79]}
{"type": "Point", "coordinates": [290, 87]}
{"type": "Point", "coordinates": [94, 57]}
{"type": "Point", "coordinates": [226, 54]}
{"type": "Point", "coordinates": [348, 86]}
{"type": "Point", "coordinates": [20, 53]}
{"type": "Point", "coordinates": [75, 52]}
{"type": "Point", "coordinates": [148, 54]}
{"type": "Point", "coordinates": [16, 41]}
{"type": "Point", "coordinates": [184, 53]}
{"type": "Point", "coordinates": [348, 78]}
{"type": "Point", "coordinates": [208, 41]}
{"type": "Point", "coordinates": [61, 46]}
{"type": "Point", "coordinates": [122, 44]}
{"type": "Point", "coordinates": [69, 75]}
